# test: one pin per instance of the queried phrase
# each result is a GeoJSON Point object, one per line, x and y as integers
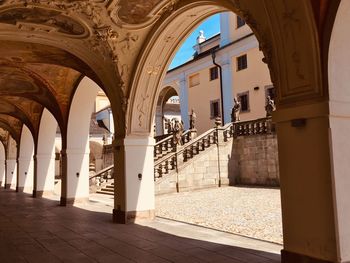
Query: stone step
{"type": "Point", "coordinates": [107, 189]}
{"type": "Point", "coordinates": [105, 192]}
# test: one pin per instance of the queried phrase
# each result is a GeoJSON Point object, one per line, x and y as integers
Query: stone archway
{"type": "Point", "coordinates": [288, 34]}
{"type": "Point", "coordinates": [164, 95]}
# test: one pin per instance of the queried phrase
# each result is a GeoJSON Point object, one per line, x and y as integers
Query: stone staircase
{"type": "Point", "coordinates": [170, 159]}
{"type": "Point", "coordinates": [107, 190]}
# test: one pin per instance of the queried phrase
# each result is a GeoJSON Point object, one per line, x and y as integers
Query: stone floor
{"type": "Point", "coordinates": [248, 211]}
{"type": "Point", "coordinates": [38, 230]}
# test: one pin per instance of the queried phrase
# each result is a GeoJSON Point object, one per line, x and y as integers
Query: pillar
{"type": "Point", "coordinates": [2, 165]}
{"type": "Point", "coordinates": [134, 179]}
{"type": "Point", "coordinates": [184, 101]}
{"type": "Point", "coordinates": [306, 184]}
{"type": "Point", "coordinates": [339, 96]}
{"type": "Point", "coordinates": [11, 173]}
{"type": "Point", "coordinates": [227, 28]}
{"type": "Point", "coordinates": [227, 83]}
{"type": "Point", "coordinates": [77, 177]}
{"type": "Point", "coordinates": [45, 174]}
{"type": "Point", "coordinates": [25, 174]}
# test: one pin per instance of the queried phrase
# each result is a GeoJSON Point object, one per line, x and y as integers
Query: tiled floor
{"type": "Point", "coordinates": [38, 230]}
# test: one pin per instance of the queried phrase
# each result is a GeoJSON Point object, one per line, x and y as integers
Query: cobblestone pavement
{"type": "Point", "coordinates": [252, 212]}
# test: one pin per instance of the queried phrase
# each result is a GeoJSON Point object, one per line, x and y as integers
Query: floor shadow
{"type": "Point", "coordinates": [38, 230]}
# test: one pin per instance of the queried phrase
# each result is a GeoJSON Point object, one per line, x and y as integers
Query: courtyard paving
{"type": "Point", "coordinates": [248, 211]}
{"type": "Point", "coordinates": [39, 230]}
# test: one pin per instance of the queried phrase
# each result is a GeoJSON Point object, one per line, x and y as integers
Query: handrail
{"type": "Point", "coordinates": [168, 145]}
{"type": "Point", "coordinates": [104, 170]}
{"type": "Point", "coordinates": [187, 146]}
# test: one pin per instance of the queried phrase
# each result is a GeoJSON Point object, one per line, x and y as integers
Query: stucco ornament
{"type": "Point", "coordinates": [138, 14]}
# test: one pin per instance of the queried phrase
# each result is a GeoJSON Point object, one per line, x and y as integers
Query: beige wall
{"type": "Point", "coordinates": [101, 101]}
{"type": "Point", "coordinates": [255, 75]}
{"type": "Point", "coordinates": [199, 98]}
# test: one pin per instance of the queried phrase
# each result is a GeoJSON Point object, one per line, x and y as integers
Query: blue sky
{"type": "Point", "coordinates": [210, 26]}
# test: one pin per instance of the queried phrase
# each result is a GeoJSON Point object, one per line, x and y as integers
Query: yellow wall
{"type": "Point", "coordinates": [101, 101]}
{"type": "Point", "coordinates": [199, 98]}
{"type": "Point", "coordinates": [255, 75]}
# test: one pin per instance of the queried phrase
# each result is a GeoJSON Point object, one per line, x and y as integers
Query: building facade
{"type": "Point", "coordinates": [244, 75]}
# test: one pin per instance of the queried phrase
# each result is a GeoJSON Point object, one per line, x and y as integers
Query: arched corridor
{"type": "Point", "coordinates": [54, 55]}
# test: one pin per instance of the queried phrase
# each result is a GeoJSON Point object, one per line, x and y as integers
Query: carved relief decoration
{"type": "Point", "coordinates": [300, 71]}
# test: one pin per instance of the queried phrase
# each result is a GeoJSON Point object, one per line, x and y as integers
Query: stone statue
{"type": "Point", "coordinates": [193, 118]}
{"type": "Point", "coordinates": [178, 130]}
{"type": "Point", "coordinates": [235, 110]}
{"type": "Point", "coordinates": [169, 126]}
{"type": "Point", "coordinates": [270, 106]}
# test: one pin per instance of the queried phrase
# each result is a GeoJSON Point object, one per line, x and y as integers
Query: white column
{"type": "Point", "coordinates": [184, 101]}
{"type": "Point", "coordinates": [25, 170]}
{"type": "Point", "coordinates": [2, 165]}
{"type": "Point", "coordinates": [227, 27]}
{"type": "Point", "coordinates": [11, 173]}
{"type": "Point", "coordinates": [227, 84]}
{"type": "Point", "coordinates": [339, 95]}
{"type": "Point", "coordinates": [45, 174]}
{"type": "Point", "coordinates": [134, 187]}
{"type": "Point", "coordinates": [26, 162]}
{"type": "Point", "coordinates": [77, 175]}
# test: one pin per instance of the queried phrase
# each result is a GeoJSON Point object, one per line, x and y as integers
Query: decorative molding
{"type": "Point", "coordinates": [139, 14]}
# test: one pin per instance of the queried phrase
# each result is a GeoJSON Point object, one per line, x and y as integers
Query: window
{"type": "Point", "coordinates": [214, 109]}
{"type": "Point", "coordinates": [243, 98]}
{"type": "Point", "coordinates": [194, 80]}
{"type": "Point", "coordinates": [270, 91]}
{"type": "Point", "coordinates": [242, 62]}
{"type": "Point", "coordinates": [213, 73]}
{"type": "Point", "coordinates": [240, 22]}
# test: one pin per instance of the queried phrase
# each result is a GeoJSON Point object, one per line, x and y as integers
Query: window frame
{"type": "Point", "coordinates": [239, 21]}
{"type": "Point", "coordinates": [191, 77]}
{"type": "Point", "coordinates": [270, 87]}
{"type": "Point", "coordinates": [216, 74]}
{"type": "Point", "coordinates": [238, 68]}
{"type": "Point", "coordinates": [239, 95]}
{"type": "Point", "coordinates": [212, 116]}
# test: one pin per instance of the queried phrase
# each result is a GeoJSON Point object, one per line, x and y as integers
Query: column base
{"type": "Point", "coordinates": [291, 257]}
{"type": "Point", "coordinates": [39, 194]}
{"type": "Point", "coordinates": [19, 189]}
{"type": "Point", "coordinates": [123, 217]}
{"type": "Point", "coordinates": [71, 201]}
